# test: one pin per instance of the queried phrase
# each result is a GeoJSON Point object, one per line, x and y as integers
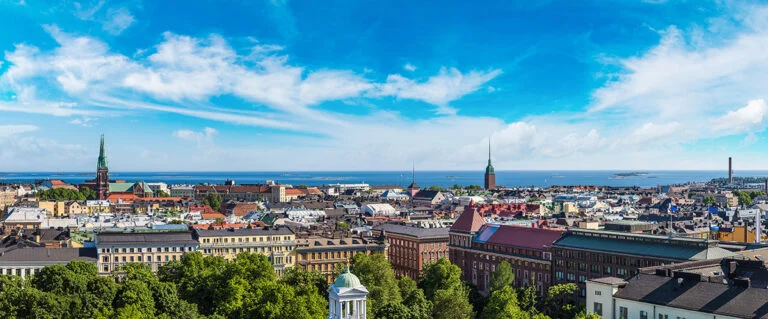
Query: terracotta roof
{"type": "Point", "coordinates": [469, 221]}
{"type": "Point", "coordinates": [241, 210]}
{"type": "Point", "coordinates": [113, 198]}
{"type": "Point", "coordinates": [293, 192]}
{"type": "Point", "coordinates": [213, 215]}
{"type": "Point", "coordinates": [56, 182]}
{"type": "Point", "coordinates": [234, 188]}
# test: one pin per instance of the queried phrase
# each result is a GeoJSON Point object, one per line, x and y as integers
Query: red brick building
{"type": "Point", "coordinates": [478, 248]}
{"type": "Point", "coordinates": [410, 248]}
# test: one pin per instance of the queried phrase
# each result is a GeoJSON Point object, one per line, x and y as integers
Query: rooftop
{"type": "Point", "coordinates": [420, 233]}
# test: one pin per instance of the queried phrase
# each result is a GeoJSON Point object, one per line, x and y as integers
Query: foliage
{"type": "Point", "coordinates": [60, 194]}
{"type": "Point", "coordinates": [88, 193]}
{"type": "Point", "coordinates": [503, 304]}
{"type": "Point", "coordinates": [747, 197]}
{"type": "Point", "coordinates": [213, 200]}
{"type": "Point", "coordinates": [556, 303]}
{"type": "Point", "coordinates": [434, 188]}
{"type": "Point", "coordinates": [502, 277]}
{"type": "Point", "coordinates": [161, 193]}
{"type": "Point", "coordinates": [709, 200]}
{"type": "Point", "coordinates": [376, 274]}
{"type": "Point", "coordinates": [583, 315]}
{"type": "Point", "coordinates": [452, 304]}
{"type": "Point", "coordinates": [177, 222]}
{"type": "Point", "coordinates": [342, 226]}
{"type": "Point", "coordinates": [442, 275]}
{"type": "Point", "coordinates": [474, 187]}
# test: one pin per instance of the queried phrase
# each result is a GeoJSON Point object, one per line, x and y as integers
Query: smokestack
{"type": "Point", "coordinates": [730, 170]}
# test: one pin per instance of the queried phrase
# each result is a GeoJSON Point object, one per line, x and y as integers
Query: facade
{"type": "Point", "coordinates": [247, 193]}
{"type": "Point", "coordinates": [323, 254]}
{"type": "Point", "coordinates": [410, 248]}
{"type": "Point", "coordinates": [183, 191]}
{"type": "Point", "coordinates": [347, 298]}
{"type": "Point", "coordinates": [93, 207]}
{"type": "Point", "coordinates": [153, 247]}
{"type": "Point", "coordinates": [490, 175]}
{"type": "Point", "coordinates": [427, 198]}
{"type": "Point", "coordinates": [587, 254]}
{"type": "Point", "coordinates": [25, 218]}
{"type": "Point", "coordinates": [27, 261]}
{"type": "Point", "coordinates": [278, 244]}
{"type": "Point", "coordinates": [527, 249]}
{"type": "Point", "coordinates": [727, 288]}
{"type": "Point", "coordinates": [56, 208]}
{"type": "Point", "coordinates": [7, 197]}
{"type": "Point", "coordinates": [379, 210]}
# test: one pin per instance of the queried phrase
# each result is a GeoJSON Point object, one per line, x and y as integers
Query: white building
{"type": "Point", "coordinates": [732, 287]}
{"type": "Point", "coordinates": [156, 187]}
{"type": "Point", "coordinates": [346, 298]}
{"type": "Point", "coordinates": [379, 210]}
{"type": "Point", "coordinates": [182, 191]}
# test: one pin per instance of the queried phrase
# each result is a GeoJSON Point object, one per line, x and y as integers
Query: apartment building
{"type": "Point", "coordinates": [155, 248]}
{"type": "Point", "coordinates": [278, 244]}
{"type": "Point", "coordinates": [410, 248]}
{"type": "Point", "coordinates": [323, 254]}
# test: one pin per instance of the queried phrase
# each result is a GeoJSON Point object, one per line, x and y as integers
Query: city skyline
{"type": "Point", "coordinates": [300, 86]}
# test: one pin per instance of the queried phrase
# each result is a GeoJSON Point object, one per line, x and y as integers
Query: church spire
{"type": "Point", "coordinates": [489, 168]}
{"type": "Point", "coordinates": [102, 163]}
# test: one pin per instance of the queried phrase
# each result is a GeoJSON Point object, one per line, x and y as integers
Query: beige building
{"type": "Point", "coordinates": [278, 244]}
{"type": "Point", "coordinates": [152, 247]}
{"type": "Point", "coordinates": [57, 208]}
{"type": "Point", "coordinates": [322, 254]}
{"type": "Point", "coordinates": [74, 208]}
{"type": "Point", "coordinates": [7, 197]}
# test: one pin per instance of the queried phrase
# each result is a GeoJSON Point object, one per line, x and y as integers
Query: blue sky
{"type": "Point", "coordinates": [378, 85]}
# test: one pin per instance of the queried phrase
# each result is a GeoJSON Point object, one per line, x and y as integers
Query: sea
{"type": "Point", "coordinates": [403, 178]}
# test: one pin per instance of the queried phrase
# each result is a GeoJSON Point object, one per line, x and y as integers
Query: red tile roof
{"type": "Point", "coordinates": [113, 198]}
{"type": "Point", "coordinates": [470, 220]}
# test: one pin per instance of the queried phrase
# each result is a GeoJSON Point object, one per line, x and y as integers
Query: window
{"type": "Point", "coordinates": [598, 309]}
{"type": "Point", "coordinates": [571, 277]}
{"type": "Point", "coordinates": [643, 314]}
{"type": "Point", "coordinates": [559, 275]}
{"type": "Point", "coordinates": [623, 313]}
{"type": "Point", "coordinates": [621, 272]}
{"type": "Point", "coordinates": [663, 316]}
{"type": "Point", "coordinates": [598, 292]}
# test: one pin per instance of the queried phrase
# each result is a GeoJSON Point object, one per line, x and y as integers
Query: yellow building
{"type": "Point", "coordinates": [570, 208]}
{"type": "Point", "coordinates": [322, 254]}
{"type": "Point", "coordinates": [278, 244]}
{"type": "Point", "coordinates": [94, 207]}
{"type": "Point", "coordinates": [152, 247]}
{"type": "Point", "coordinates": [56, 208]}
{"type": "Point", "coordinates": [739, 233]}
{"type": "Point", "coordinates": [74, 208]}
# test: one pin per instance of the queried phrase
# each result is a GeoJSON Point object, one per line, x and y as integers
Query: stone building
{"type": "Point", "coordinates": [115, 248]}
{"type": "Point", "coordinates": [278, 244]}
{"type": "Point", "coordinates": [323, 254]}
{"type": "Point", "coordinates": [410, 248]}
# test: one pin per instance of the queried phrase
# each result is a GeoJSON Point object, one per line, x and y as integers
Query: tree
{"type": "Point", "coordinates": [709, 200]}
{"type": "Point", "coordinates": [744, 198]}
{"type": "Point", "coordinates": [452, 304]}
{"type": "Point", "coordinates": [414, 299]}
{"type": "Point", "coordinates": [556, 303]}
{"type": "Point", "coordinates": [434, 188]}
{"type": "Point", "coordinates": [60, 194]}
{"type": "Point", "coordinates": [161, 193]}
{"type": "Point", "coordinates": [213, 200]}
{"type": "Point", "coordinates": [300, 278]}
{"type": "Point", "coordinates": [456, 186]}
{"type": "Point", "coordinates": [502, 277]}
{"type": "Point", "coordinates": [343, 226]}
{"type": "Point", "coordinates": [376, 274]}
{"type": "Point", "coordinates": [503, 304]}
{"type": "Point", "coordinates": [135, 293]}
{"type": "Point", "coordinates": [528, 300]}
{"type": "Point", "coordinates": [441, 275]}
{"type": "Point", "coordinates": [584, 315]}
{"type": "Point", "coordinates": [474, 187]}
{"type": "Point", "coordinates": [88, 193]}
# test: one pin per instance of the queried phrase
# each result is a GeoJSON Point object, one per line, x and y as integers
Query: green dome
{"type": "Point", "coordinates": [347, 280]}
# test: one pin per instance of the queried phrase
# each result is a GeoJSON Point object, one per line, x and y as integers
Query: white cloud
{"type": "Point", "coordinates": [118, 20]}
{"type": "Point", "coordinates": [650, 131]}
{"type": "Point", "coordinates": [746, 119]}
{"type": "Point", "coordinates": [204, 136]}
{"type": "Point", "coordinates": [409, 67]}
{"type": "Point", "coordinates": [84, 122]}
{"type": "Point", "coordinates": [448, 85]}
{"type": "Point", "coordinates": [10, 130]}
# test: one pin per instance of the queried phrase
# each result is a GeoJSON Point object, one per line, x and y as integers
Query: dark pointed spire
{"type": "Point", "coordinates": [489, 168]}
{"type": "Point", "coordinates": [102, 163]}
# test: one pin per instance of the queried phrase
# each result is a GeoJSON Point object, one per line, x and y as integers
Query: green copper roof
{"type": "Point", "coordinates": [102, 164]}
{"type": "Point", "coordinates": [347, 280]}
{"type": "Point", "coordinates": [489, 168]}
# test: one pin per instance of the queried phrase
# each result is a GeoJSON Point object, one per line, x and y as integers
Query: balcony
{"type": "Point", "coordinates": [291, 243]}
